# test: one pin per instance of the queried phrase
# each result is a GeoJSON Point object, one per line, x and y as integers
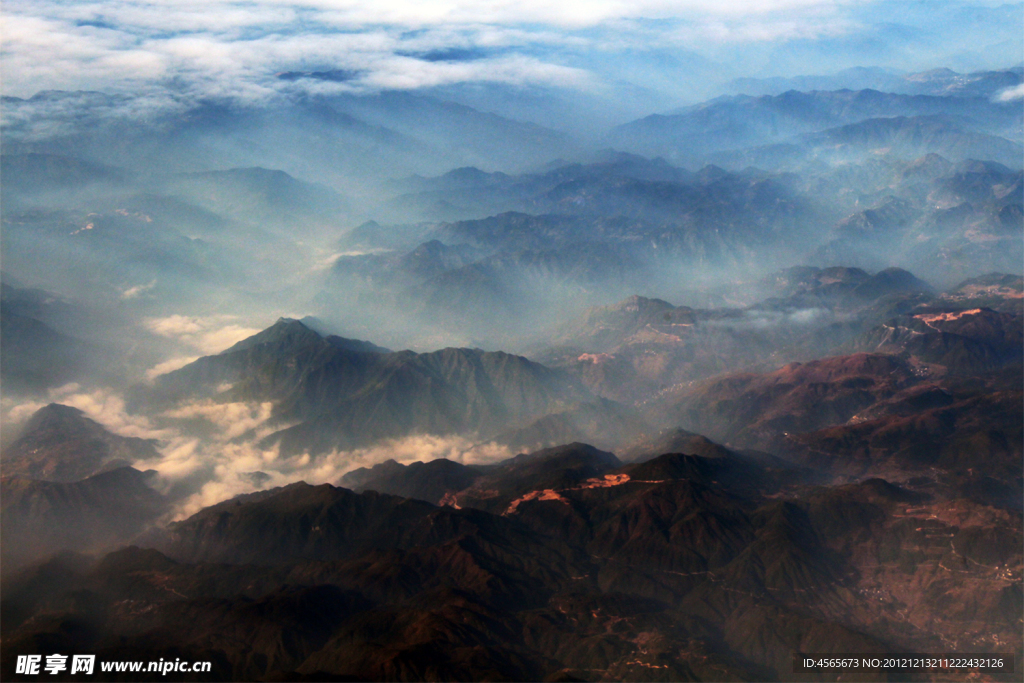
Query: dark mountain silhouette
{"type": "Point", "coordinates": [674, 441]}
{"type": "Point", "coordinates": [430, 481]}
{"type": "Point", "coordinates": [344, 393]}
{"type": "Point", "coordinates": [969, 441]}
{"type": "Point", "coordinates": [555, 468]}
{"type": "Point", "coordinates": [321, 581]}
{"type": "Point", "coordinates": [296, 522]}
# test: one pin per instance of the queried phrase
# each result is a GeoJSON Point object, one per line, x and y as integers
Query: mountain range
{"type": "Point", "coordinates": [339, 393]}
{"type": "Point", "coordinates": [729, 123]}
{"type": "Point", "coordinates": [331, 384]}
{"type": "Point", "coordinates": [939, 82]}
{"type": "Point", "coordinates": [548, 565]}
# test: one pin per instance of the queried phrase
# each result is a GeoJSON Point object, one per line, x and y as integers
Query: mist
{"type": "Point", "coordinates": [514, 327]}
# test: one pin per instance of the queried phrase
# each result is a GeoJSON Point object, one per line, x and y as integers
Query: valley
{"type": "Point", "coordinates": [334, 374]}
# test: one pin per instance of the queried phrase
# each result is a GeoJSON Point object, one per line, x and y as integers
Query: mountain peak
{"type": "Point", "coordinates": [54, 410]}
{"type": "Point", "coordinates": [467, 173]}
{"type": "Point", "coordinates": [675, 440]}
{"type": "Point", "coordinates": [571, 451]}
{"type": "Point", "coordinates": [56, 416]}
{"type": "Point", "coordinates": [59, 443]}
{"type": "Point", "coordinates": [289, 333]}
{"type": "Point", "coordinates": [710, 174]}
{"type": "Point", "coordinates": [286, 331]}
{"type": "Point", "coordinates": [889, 281]}
{"type": "Point", "coordinates": [641, 303]}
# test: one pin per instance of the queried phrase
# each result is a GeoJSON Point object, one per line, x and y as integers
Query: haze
{"type": "Point", "coordinates": [545, 269]}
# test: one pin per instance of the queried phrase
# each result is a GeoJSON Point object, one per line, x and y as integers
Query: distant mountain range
{"type": "Point", "coordinates": [735, 123]}
{"type": "Point", "coordinates": [638, 348]}
{"type": "Point", "coordinates": [613, 228]}
{"type": "Point", "coordinates": [967, 221]}
{"type": "Point", "coordinates": [339, 135]}
{"type": "Point", "coordinates": [938, 82]}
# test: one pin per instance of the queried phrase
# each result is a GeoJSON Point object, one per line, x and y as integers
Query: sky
{"type": "Point", "coordinates": [265, 48]}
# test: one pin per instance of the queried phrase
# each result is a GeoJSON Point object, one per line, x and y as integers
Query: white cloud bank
{"type": "Point", "coordinates": [236, 49]}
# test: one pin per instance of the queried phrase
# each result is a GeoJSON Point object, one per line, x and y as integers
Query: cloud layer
{"type": "Point", "coordinates": [169, 53]}
{"type": "Point", "coordinates": [237, 49]}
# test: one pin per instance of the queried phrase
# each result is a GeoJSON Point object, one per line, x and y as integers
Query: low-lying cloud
{"type": "Point", "coordinates": [230, 457]}
{"type": "Point", "coordinates": [1011, 94]}
{"type": "Point", "coordinates": [230, 467]}
{"type": "Point", "coordinates": [103, 405]}
{"type": "Point", "coordinates": [233, 419]}
{"type": "Point", "coordinates": [169, 365]}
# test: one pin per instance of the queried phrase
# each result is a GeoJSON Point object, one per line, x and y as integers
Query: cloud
{"type": "Point", "coordinates": [208, 335]}
{"type": "Point", "coordinates": [233, 419]}
{"type": "Point", "coordinates": [174, 326]}
{"type": "Point", "coordinates": [404, 73]}
{"type": "Point", "coordinates": [230, 466]}
{"type": "Point", "coordinates": [169, 366]}
{"type": "Point", "coordinates": [579, 14]}
{"type": "Point", "coordinates": [172, 53]}
{"type": "Point", "coordinates": [203, 470]}
{"type": "Point", "coordinates": [215, 341]}
{"type": "Point", "coordinates": [202, 466]}
{"type": "Point", "coordinates": [108, 408]}
{"type": "Point", "coordinates": [137, 291]}
{"type": "Point", "coordinates": [1011, 94]}
{"type": "Point", "coordinates": [104, 405]}
{"type": "Point", "coordinates": [231, 49]}
{"type": "Point", "coordinates": [741, 30]}
{"type": "Point", "coordinates": [18, 413]}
